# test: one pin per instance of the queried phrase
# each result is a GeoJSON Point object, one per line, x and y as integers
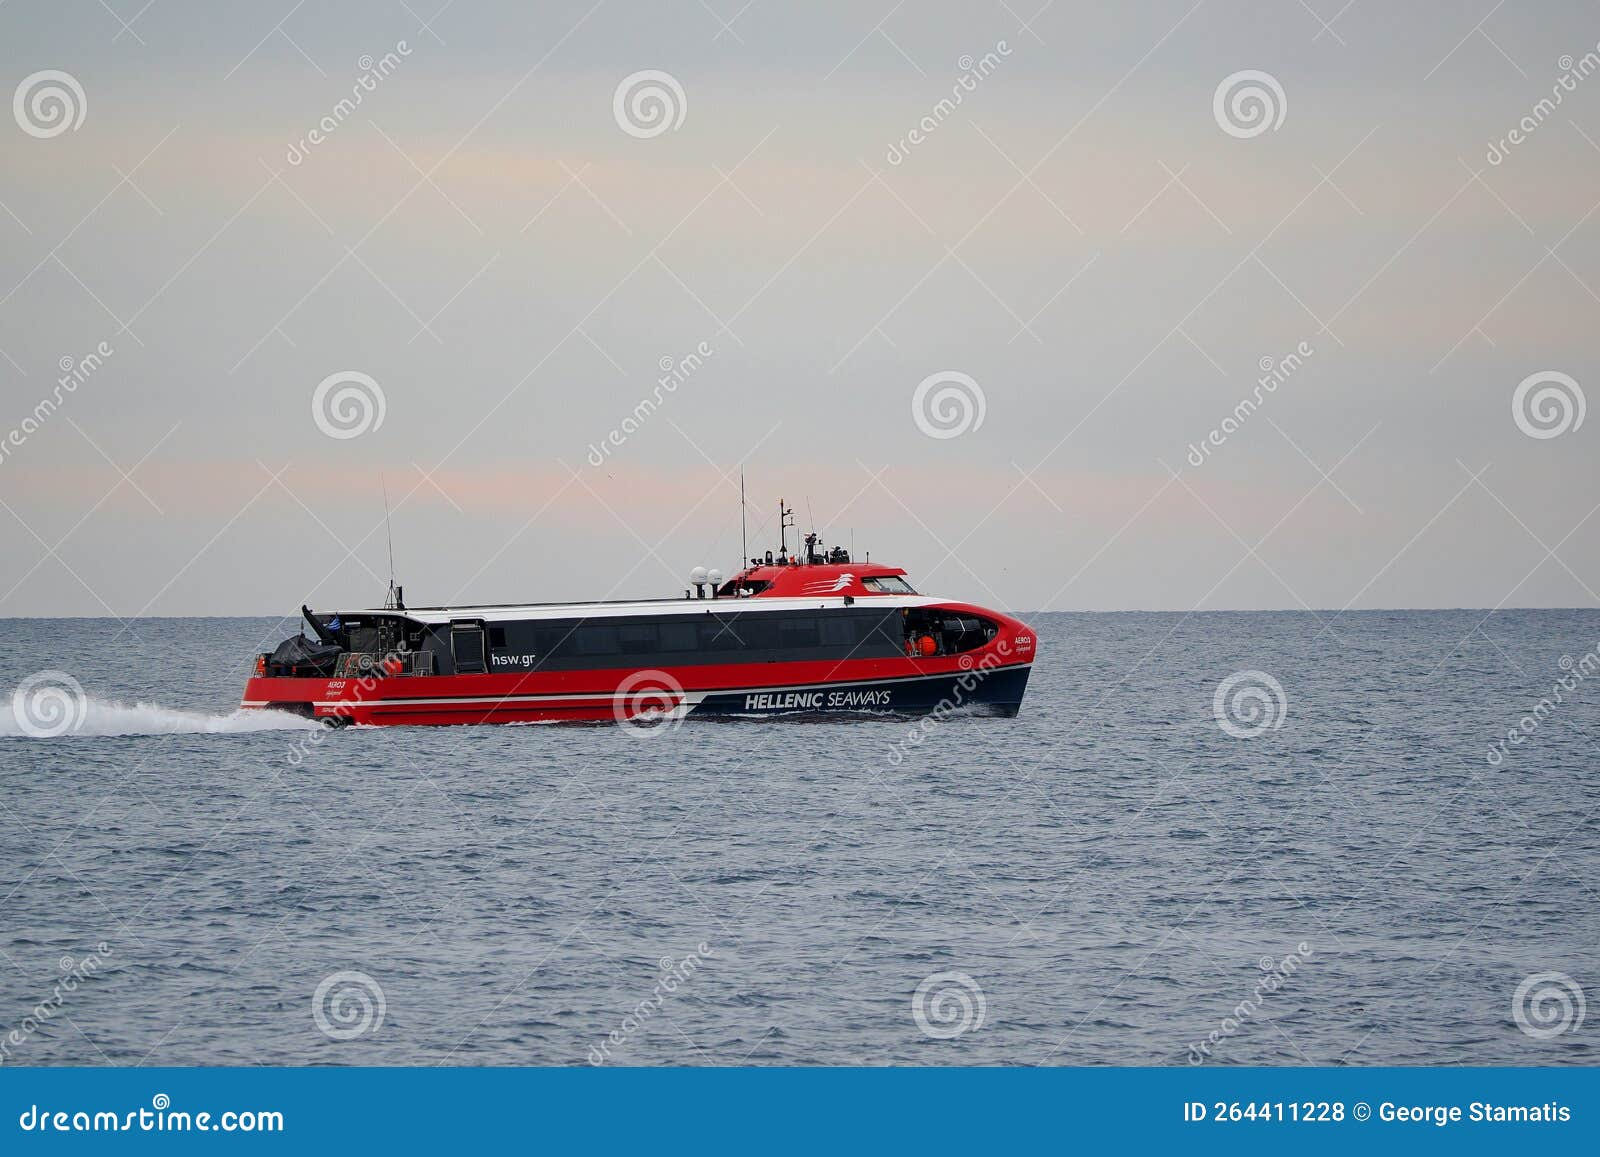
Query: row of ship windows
{"type": "Point", "coordinates": [733, 633]}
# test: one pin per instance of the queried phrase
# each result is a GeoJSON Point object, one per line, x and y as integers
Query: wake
{"type": "Point", "coordinates": [27, 716]}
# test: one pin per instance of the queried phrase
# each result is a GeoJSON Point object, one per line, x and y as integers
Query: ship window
{"type": "Point", "coordinates": [549, 641]}
{"type": "Point", "coordinates": [884, 632]}
{"type": "Point", "coordinates": [759, 632]}
{"type": "Point", "coordinates": [839, 631]}
{"type": "Point", "coordinates": [636, 638]}
{"type": "Point", "coordinates": [888, 584]}
{"type": "Point", "coordinates": [597, 641]}
{"type": "Point", "coordinates": [717, 635]}
{"type": "Point", "coordinates": [497, 638]}
{"type": "Point", "coordinates": [797, 633]}
{"type": "Point", "coordinates": [679, 637]}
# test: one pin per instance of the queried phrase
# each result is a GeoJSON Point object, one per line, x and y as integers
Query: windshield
{"type": "Point", "coordinates": [888, 585]}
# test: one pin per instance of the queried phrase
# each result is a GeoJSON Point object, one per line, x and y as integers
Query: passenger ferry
{"type": "Point", "coordinates": [809, 633]}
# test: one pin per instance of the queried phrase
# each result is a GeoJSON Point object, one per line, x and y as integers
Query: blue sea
{"type": "Point", "coordinates": [1343, 860]}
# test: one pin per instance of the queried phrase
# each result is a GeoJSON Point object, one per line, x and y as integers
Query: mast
{"type": "Point", "coordinates": [744, 543]}
{"type": "Point", "coordinates": [785, 520]}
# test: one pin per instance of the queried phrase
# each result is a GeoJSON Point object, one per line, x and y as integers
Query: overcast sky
{"type": "Point", "coordinates": [1104, 251]}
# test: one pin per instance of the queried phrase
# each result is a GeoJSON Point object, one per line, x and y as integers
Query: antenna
{"type": "Point", "coordinates": [388, 531]}
{"type": "Point", "coordinates": [744, 542]}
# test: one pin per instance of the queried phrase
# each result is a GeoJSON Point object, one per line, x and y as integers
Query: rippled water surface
{"type": "Point", "coordinates": [1108, 872]}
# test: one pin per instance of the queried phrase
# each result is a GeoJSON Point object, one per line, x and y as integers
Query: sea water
{"type": "Point", "coordinates": [1348, 861]}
